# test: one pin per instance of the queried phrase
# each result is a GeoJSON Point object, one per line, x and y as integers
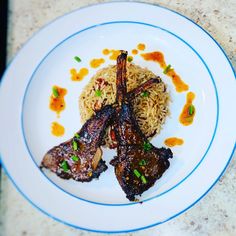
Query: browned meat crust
{"type": "Point", "coordinates": [138, 164]}
{"type": "Point", "coordinates": [80, 157]}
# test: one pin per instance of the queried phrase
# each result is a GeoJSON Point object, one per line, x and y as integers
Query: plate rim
{"type": "Point", "coordinates": [119, 231]}
{"type": "Point", "coordinates": [216, 121]}
{"type": "Point", "coordinates": [229, 159]}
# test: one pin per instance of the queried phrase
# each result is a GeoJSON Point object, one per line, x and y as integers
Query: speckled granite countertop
{"type": "Point", "coordinates": [213, 215]}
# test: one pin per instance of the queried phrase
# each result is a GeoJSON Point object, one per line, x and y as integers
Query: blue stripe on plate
{"type": "Point", "coordinates": [148, 226]}
{"type": "Point", "coordinates": [124, 22]}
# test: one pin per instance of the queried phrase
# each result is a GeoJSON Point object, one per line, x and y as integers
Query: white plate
{"type": "Point", "coordinates": [45, 60]}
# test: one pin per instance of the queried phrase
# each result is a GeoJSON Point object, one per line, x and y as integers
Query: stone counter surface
{"type": "Point", "coordinates": [213, 215]}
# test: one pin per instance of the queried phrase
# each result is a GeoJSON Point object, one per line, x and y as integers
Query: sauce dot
{"type": "Point", "coordinates": [78, 76]}
{"type": "Point", "coordinates": [57, 129]}
{"type": "Point", "coordinates": [105, 51]}
{"type": "Point", "coordinates": [114, 54]}
{"type": "Point", "coordinates": [141, 46]}
{"type": "Point", "coordinates": [134, 51]}
{"type": "Point", "coordinates": [173, 141]}
{"type": "Point", "coordinates": [95, 63]}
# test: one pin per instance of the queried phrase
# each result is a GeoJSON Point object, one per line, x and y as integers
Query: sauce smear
{"type": "Point", "coordinates": [180, 86]}
{"type": "Point", "coordinates": [187, 115]}
{"type": "Point", "coordinates": [78, 76]}
{"type": "Point", "coordinates": [57, 129]}
{"type": "Point", "coordinates": [57, 101]}
{"type": "Point", "coordinates": [95, 63]}
{"type": "Point", "coordinates": [173, 141]}
{"type": "Point", "coordinates": [158, 57]}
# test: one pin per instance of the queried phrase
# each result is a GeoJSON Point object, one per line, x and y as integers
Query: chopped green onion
{"type": "Point", "coordinates": [77, 59]}
{"type": "Point", "coordinates": [137, 174]}
{"type": "Point", "coordinates": [167, 69]}
{"type": "Point", "coordinates": [75, 158]}
{"type": "Point", "coordinates": [98, 93]}
{"type": "Point", "coordinates": [191, 110]}
{"type": "Point", "coordinates": [77, 136]}
{"type": "Point", "coordinates": [64, 166]}
{"type": "Point", "coordinates": [130, 59]}
{"type": "Point", "coordinates": [142, 162]}
{"type": "Point", "coordinates": [145, 94]}
{"type": "Point", "coordinates": [55, 92]}
{"type": "Point", "coordinates": [75, 145]}
{"type": "Point", "coordinates": [147, 146]}
{"type": "Point", "coordinates": [143, 179]}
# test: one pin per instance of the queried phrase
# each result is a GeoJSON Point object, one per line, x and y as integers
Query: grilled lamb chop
{"type": "Point", "coordinates": [80, 157]}
{"type": "Point", "coordinates": [138, 164]}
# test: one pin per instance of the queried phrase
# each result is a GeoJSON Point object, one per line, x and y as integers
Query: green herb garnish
{"type": "Point", "coordinates": [77, 136]}
{"type": "Point", "coordinates": [77, 59]}
{"type": "Point", "coordinates": [143, 179]}
{"type": "Point", "coordinates": [75, 145]}
{"type": "Point", "coordinates": [130, 59]}
{"type": "Point", "coordinates": [167, 69]}
{"type": "Point", "coordinates": [145, 94]}
{"type": "Point", "coordinates": [142, 162]}
{"type": "Point", "coordinates": [64, 166]}
{"type": "Point", "coordinates": [147, 146]}
{"type": "Point", "coordinates": [75, 158]}
{"type": "Point", "coordinates": [55, 92]}
{"type": "Point", "coordinates": [136, 173]}
{"type": "Point", "coordinates": [98, 93]}
{"type": "Point", "coordinates": [191, 110]}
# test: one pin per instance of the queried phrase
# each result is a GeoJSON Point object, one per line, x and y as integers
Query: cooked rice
{"type": "Point", "coordinates": [150, 111]}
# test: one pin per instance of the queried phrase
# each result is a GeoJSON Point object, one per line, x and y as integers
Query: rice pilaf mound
{"type": "Point", "coordinates": [150, 109]}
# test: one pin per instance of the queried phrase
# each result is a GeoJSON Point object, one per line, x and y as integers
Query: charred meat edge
{"type": "Point", "coordinates": [134, 178]}
{"type": "Point", "coordinates": [89, 154]}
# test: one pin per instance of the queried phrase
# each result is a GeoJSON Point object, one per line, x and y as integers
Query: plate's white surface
{"type": "Point", "coordinates": [45, 60]}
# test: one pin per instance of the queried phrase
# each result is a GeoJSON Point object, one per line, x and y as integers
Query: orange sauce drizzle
{"type": "Point", "coordinates": [57, 103]}
{"type": "Point", "coordinates": [95, 63]}
{"type": "Point", "coordinates": [113, 53]}
{"type": "Point", "coordinates": [78, 75]}
{"type": "Point", "coordinates": [185, 117]}
{"type": "Point", "coordinates": [141, 46]}
{"type": "Point", "coordinates": [180, 86]}
{"type": "Point", "coordinates": [57, 129]}
{"type": "Point", "coordinates": [173, 141]}
{"type": "Point", "coordinates": [158, 57]}
{"type": "Point", "coordinates": [134, 51]}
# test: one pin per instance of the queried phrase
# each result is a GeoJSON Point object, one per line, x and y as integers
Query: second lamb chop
{"type": "Point", "coordinates": [138, 164]}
